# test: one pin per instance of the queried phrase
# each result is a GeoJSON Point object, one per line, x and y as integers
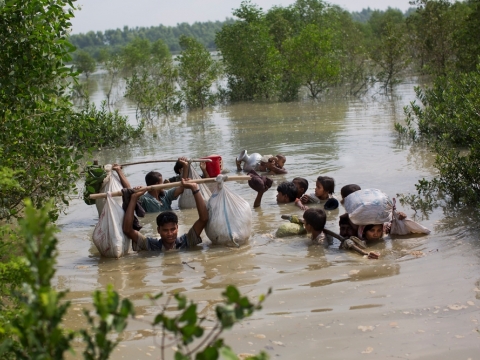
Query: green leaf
{"type": "Point", "coordinates": [227, 353]}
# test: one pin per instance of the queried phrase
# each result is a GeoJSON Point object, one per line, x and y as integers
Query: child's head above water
{"type": "Point", "coordinates": [347, 190]}
{"type": "Point", "coordinates": [302, 186]}
{"type": "Point", "coordinates": [316, 218]}
{"type": "Point", "coordinates": [280, 160]}
{"type": "Point", "coordinates": [373, 232]}
{"type": "Point", "coordinates": [286, 192]}
{"type": "Point", "coordinates": [325, 186]}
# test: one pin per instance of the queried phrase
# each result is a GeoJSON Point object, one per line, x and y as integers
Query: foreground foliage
{"type": "Point", "coordinates": [32, 315]}
{"type": "Point", "coordinates": [42, 137]}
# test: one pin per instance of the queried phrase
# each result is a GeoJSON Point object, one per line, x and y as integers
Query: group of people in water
{"type": "Point", "coordinates": [295, 191]}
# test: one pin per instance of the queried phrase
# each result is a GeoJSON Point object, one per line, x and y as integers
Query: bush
{"type": "Point", "coordinates": [448, 119]}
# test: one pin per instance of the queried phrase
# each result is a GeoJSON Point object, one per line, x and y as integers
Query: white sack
{"type": "Point", "coordinates": [406, 226]}
{"type": "Point", "coordinates": [229, 217]}
{"type": "Point", "coordinates": [368, 206]}
{"type": "Point", "coordinates": [186, 200]}
{"type": "Point", "coordinates": [108, 235]}
{"type": "Point", "coordinates": [111, 183]}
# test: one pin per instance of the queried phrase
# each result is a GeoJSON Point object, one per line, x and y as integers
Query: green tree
{"type": "Point", "coordinates": [197, 72]}
{"type": "Point", "coordinates": [447, 118]}
{"type": "Point", "coordinates": [34, 114]}
{"type": "Point", "coordinates": [350, 39]}
{"type": "Point", "coordinates": [84, 63]}
{"type": "Point", "coordinates": [251, 61]}
{"type": "Point", "coordinates": [159, 50]}
{"type": "Point", "coordinates": [136, 53]}
{"type": "Point", "coordinates": [434, 26]}
{"type": "Point", "coordinates": [467, 39]}
{"type": "Point", "coordinates": [38, 127]}
{"type": "Point", "coordinates": [153, 89]}
{"type": "Point", "coordinates": [311, 57]}
{"type": "Point", "coordinates": [389, 46]}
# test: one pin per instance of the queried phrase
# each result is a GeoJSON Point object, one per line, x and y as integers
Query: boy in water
{"type": "Point", "coordinates": [275, 165]}
{"type": "Point", "coordinates": [286, 193]}
{"type": "Point", "coordinates": [156, 200]}
{"type": "Point", "coordinates": [324, 189]}
{"type": "Point", "coordinates": [302, 186]}
{"type": "Point", "coordinates": [167, 225]}
{"type": "Point", "coordinates": [314, 222]}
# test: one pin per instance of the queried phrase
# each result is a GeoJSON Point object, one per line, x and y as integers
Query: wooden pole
{"type": "Point", "coordinates": [165, 160]}
{"type": "Point", "coordinates": [172, 185]}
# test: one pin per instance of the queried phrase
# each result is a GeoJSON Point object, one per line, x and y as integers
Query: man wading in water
{"type": "Point", "coordinates": [167, 225]}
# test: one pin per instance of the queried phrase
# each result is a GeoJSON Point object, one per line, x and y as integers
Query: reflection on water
{"type": "Point", "coordinates": [349, 139]}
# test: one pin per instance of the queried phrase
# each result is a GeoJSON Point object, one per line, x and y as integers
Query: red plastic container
{"type": "Point", "coordinates": [214, 168]}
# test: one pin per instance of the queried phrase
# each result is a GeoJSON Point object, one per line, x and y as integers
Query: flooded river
{"type": "Point", "coordinates": [420, 300]}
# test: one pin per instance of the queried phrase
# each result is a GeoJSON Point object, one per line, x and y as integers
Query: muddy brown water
{"type": "Point", "coordinates": [420, 300]}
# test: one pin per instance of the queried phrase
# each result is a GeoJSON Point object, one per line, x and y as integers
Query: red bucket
{"type": "Point", "coordinates": [214, 168]}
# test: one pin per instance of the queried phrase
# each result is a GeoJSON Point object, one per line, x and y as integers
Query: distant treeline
{"type": "Point", "coordinates": [365, 15]}
{"type": "Point", "coordinates": [204, 32]}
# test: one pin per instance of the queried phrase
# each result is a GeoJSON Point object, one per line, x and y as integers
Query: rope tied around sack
{"type": "Point", "coordinates": [220, 179]}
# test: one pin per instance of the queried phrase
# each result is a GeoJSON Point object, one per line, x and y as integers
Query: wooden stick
{"type": "Point", "coordinates": [172, 185]}
{"type": "Point", "coordinates": [165, 160]}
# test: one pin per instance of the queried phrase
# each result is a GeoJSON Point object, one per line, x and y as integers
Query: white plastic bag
{"type": "Point", "coordinates": [111, 183]}
{"type": "Point", "coordinates": [368, 206]}
{"type": "Point", "coordinates": [108, 234]}
{"type": "Point", "coordinates": [229, 217]}
{"type": "Point", "coordinates": [186, 200]}
{"type": "Point", "coordinates": [405, 226]}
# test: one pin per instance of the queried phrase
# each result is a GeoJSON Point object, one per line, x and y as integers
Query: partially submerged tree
{"type": "Point", "coordinates": [84, 63]}
{"type": "Point", "coordinates": [311, 57]}
{"type": "Point", "coordinates": [252, 63]}
{"type": "Point", "coordinates": [389, 46]}
{"type": "Point", "coordinates": [197, 72]}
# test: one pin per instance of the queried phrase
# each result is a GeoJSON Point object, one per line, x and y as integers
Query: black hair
{"type": "Point", "coordinates": [288, 188]}
{"type": "Point", "coordinates": [316, 218]}
{"type": "Point", "coordinates": [367, 228]}
{"type": "Point", "coordinates": [348, 189]}
{"type": "Point", "coordinates": [153, 178]}
{"type": "Point", "coordinates": [328, 183]}
{"type": "Point", "coordinates": [343, 220]}
{"type": "Point", "coordinates": [302, 182]}
{"type": "Point", "coordinates": [167, 217]}
{"type": "Point", "coordinates": [178, 166]}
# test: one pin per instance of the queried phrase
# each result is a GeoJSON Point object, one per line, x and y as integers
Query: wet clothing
{"type": "Point", "coordinates": [188, 240]}
{"type": "Point", "coordinates": [259, 183]}
{"type": "Point", "coordinates": [163, 203]}
{"type": "Point", "coordinates": [312, 198]}
{"type": "Point", "coordinates": [139, 211]}
{"type": "Point", "coordinates": [347, 229]}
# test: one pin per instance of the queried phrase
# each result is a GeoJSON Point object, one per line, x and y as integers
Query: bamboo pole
{"type": "Point", "coordinates": [165, 160]}
{"type": "Point", "coordinates": [172, 185]}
